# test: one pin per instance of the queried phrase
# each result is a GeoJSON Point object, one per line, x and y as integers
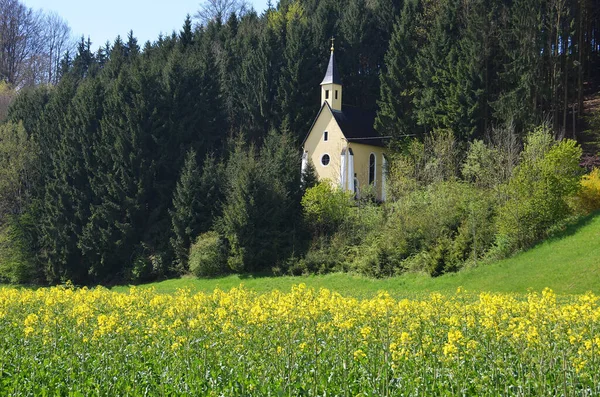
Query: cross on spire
{"type": "Point", "coordinates": [332, 40]}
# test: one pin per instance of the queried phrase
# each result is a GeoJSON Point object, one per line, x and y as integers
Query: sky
{"type": "Point", "coordinates": [103, 20]}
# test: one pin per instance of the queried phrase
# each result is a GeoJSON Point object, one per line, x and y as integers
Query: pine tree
{"type": "Point", "coordinates": [299, 75]}
{"type": "Point", "coordinates": [211, 192]}
{"type": "Point", "coordinates": [84, 60]}
{"type": "Point", "coordinates": [262, 211]}
{"type": "Point", "coordinates": [132, 49]}
{"type": "Point", "coordinates": [396, 116]}
{"type": "Point", "coordinates": [186, 35]}
{"type": "Point", "coordinates": [361, 54]}
{"type": "Point", "coordinates": [522, 74]}
{"type": "Point", "coordinates": [58, 247]}
{"type": "Point", "coordinates": [186, 211]}
{"type": "Point", "coordinates": [260, 74]}
{"type": "Point", "coordinates": [120, 213]}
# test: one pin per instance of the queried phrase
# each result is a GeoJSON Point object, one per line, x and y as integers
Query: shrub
{"type": "Point", "coordinates": [589, 195]}
{"type": "Point", "coordinates": [325, 207]}
{"type": "Point", "coordinates": [537, 195]}
{"type": "Point", "coordinates": [436, 229]}
{"type": "Point", "coordinates": [16, 261]}
{"type": "Point", "coordinates": [208, 255]}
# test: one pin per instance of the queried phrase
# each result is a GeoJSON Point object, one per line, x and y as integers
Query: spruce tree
{"type": "Point", "coordinates": [396, 115]}
{"type": "Point", "coordinates": [186, 35]}
{"type": "Point", "coordinates": [121, 210]}
{"type": "Point", "coordinates": [186, 211]}
{"type": "Point", "coordinates": [299, 76]}
{"type": "Point", "coordinates": [58, 245]}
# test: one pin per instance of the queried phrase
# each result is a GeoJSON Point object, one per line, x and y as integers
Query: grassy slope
{"type": "Point", "coordinates": [569, 264]}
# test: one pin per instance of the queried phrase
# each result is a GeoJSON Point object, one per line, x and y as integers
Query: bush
{"type": "Point", "coordinates": [589, 195]}
{"type": "Point", "coordinates": [208, 255]}
{"type": "Point", "coordinates": [436, 229]}
{"type": "Point", "coordinates": [325, 207]}
{"type": "Point", "coordinates": [537, 195]}
{"type": "Point", "coordinates": [17, 264]}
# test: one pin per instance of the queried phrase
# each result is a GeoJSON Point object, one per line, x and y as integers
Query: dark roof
{"type": "Point", "coordinates": [331, 76]}
{"type": "Point", "coordinates": [357, 125]}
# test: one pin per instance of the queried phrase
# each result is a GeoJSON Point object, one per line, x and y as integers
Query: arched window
{"type": "Point", "coordinates": [372, 164]}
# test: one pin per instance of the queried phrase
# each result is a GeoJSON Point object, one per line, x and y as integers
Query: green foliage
{"type": "Point", "coordinates": [589, 195]}
{"type": "Point", "coordinates": [17, 261]}
{"type": "Point", "coordinates": [186, 210]}
{"type": "Point", "coordinates": [419, 163]}
{"type": "Point", "coordinates": [395, 116]}
{"type": "Point", "coordinates": [208, 255]}
{"type": "Point", "coordinates": [111, 137]}
{"type": "Point", "coordinates": [7, 95]}
{"type": "Point", "coordinates": [261, 213]}
{"type": "Point", "coordinates": [18, 169]}
{"type": "Point", "coordinates": [557, 263]}
{"type": "Point", "coordinates": [537, 196]}
{"type": "Point", "coordinates": [325, 207]}
{"type": "Point", "coordinates": [481, 165]}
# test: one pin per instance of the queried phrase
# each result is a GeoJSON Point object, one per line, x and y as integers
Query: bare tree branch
{"type": "Point", "coordinates": [31, 44]}
{"type": "Point", "coordinates": [220, 9]}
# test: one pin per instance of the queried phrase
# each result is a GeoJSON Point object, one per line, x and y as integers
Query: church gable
{"type": "Point", "coordinates": [324, 144]}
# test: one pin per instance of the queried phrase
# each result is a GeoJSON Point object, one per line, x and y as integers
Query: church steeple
{"type": "Point", "coordinates": [331, 86]}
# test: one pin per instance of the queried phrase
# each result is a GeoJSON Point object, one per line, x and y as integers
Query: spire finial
{"type": "Point", "coordinates": [332, 40]}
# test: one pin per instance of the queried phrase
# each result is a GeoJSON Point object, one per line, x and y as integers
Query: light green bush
{"type": "Point", "coordinates": [325, 207]}
{"type": "Point", "coordinates": [537, 196]}
{"type": "Point", "coordinates": [589, 196]}
{"type": "Point", "coordinates": [16, 262]}
{"type": "Point", "coordinates": [208, 255]}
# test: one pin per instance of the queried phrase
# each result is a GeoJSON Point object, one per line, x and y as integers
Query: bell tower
{"type": "Point", "coordinates": [331, 86]}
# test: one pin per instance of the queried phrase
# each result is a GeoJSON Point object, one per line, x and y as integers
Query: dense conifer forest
{"type": "Point", "coordinates": [138, 152]}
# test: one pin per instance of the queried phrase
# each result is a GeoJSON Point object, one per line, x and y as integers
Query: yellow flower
{"type": "Point", "coordinates": [359, 355]}
{"type": "Point", "coordinates": [366, 331]}
{"type": "Point", "coordinates": [31, 320]}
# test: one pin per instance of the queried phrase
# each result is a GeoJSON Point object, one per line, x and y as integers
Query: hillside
{"type": "Point", "coordinates": [569, 264]}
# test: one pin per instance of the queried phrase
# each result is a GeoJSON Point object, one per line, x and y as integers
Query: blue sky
{"type": "Point", "coordinates": [104, 20]}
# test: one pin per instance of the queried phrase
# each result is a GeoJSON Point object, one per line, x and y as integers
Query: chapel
{"type": "Point", "coordinates": [342, 143]}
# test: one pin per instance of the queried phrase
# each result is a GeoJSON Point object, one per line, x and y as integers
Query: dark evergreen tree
{"type": "Point", "coordinates": [132, 49]}
{"type": "Point", "coordinates": [84, 59]}
{"type": "Point", "coordinates": [361, 54]}
{"type": "Point", "coordinates": [262, 212]}
{"type": "Point", "coordinates": [58, 249]}
{"type": "Point", "coordinates": [186, 212]}
{"type": "Point", "coordinates": [396, 115]}
{"type": "Point", "coordinates": [120, 214]}
{"type": "Point", "coordinates": [296, 96]}
{"type": "Point", "coordinates": [260, 74]}
{"type": "Point", "coordinates": [522, 75]}
{"type": "Point", "coordinates": [186, 36]}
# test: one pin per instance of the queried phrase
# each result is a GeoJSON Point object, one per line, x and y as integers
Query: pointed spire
{"type": "Point", "coordinates": [331, 76]}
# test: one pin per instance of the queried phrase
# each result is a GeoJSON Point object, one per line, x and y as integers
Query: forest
{"type": "Point", "coordinates": [136, 162]}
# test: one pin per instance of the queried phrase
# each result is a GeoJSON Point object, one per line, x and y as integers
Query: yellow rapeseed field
{"type": "Point", "coordinates": [69, 341]}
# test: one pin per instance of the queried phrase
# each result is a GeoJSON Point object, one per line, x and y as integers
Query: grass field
{"type": "Point", "coordinates": [568, 264]}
